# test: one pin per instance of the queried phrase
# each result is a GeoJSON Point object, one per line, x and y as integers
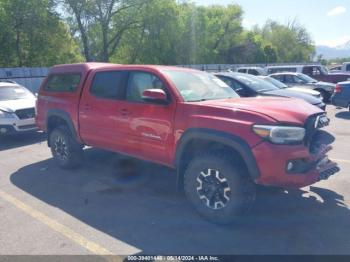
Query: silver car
{"type": "Point", "coordinates": [299, 79]}
{"type": "Point", "coordinates": [300, 89]}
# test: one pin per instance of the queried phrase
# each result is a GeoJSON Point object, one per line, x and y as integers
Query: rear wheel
{"type": "Point", "coordinates": [64, 148]}
{"type": "Point", "coordinates": [218, 189]}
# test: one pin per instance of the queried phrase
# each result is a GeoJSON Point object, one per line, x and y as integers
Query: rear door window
{"type": "Point", "coordinates": [347, 67]}
{"type": "Point", "coordinates": [279, 78]}
{"type": "Point", "coordinates": [242, 70]}
{"type": "Point", "coordinates": [253, 72]}
{"type": "Point", "coordinates": [63, 82]}
{"type": "Point", "coordinates": [289, 79]}
{"type": "Point", "coordinates": [108, 85]}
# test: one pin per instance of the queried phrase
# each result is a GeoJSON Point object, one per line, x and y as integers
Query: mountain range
{"type": "Point", "coordinates": [338, 51]}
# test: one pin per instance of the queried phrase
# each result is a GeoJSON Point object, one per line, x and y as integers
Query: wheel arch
{"type": "Point", "coordinates": [196, 139]}
{"type": "Point", "coordinates": [58, 117]}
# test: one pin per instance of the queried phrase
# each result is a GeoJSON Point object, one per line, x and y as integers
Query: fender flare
{"type": "Point", "coordinates": [66, 117]}
{"type": "Point", "coordinates": [232, 141]}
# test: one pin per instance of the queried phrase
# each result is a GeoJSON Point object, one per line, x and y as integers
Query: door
{"type": "Point", "coordinates": [315, 72]}
{"type": "Point", "coordinates": [147, 128]}
{"type": "Point", "coordinates": [100, 108]}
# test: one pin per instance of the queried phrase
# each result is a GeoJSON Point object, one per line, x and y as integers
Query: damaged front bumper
{"type": "Point", "coordinates": [324, 166]}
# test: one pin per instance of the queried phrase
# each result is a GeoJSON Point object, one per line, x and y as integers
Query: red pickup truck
{"type": "Point", "coordinates": [220, 144]}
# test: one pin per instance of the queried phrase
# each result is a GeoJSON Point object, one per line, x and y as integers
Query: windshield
{"type": "Point", "coordinates": [275, 82]}
{"type": "Point", "coordinates": [255, 83]}
{"type": "Point", "coordinates": [14, 92]}
{"type": "Point", "coordinates": [306, 78]}
{"type": "Point", "coordinates": [199, 86]}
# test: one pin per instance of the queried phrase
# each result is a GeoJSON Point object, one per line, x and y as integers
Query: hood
{"type": "Point", "coordinates": [304, 90]}
{"type": "Point", "coordinates": [13, 105]}
{"type": "Point", "coordinates": [293, 94]}
{"type": "Point", "coordinates": [284, 110]}
{"type": "Point", "coordinates": [320, 83]}
{"type": "Point", "coordinates": [323, 85]}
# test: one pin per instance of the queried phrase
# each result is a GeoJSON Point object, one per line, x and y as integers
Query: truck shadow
{"type": "Point", "coordinates": [18, 140]}
{"type": "Point", "coordinates": [343, 115]}
{"type": "Point", "coordinates": [150, 215]}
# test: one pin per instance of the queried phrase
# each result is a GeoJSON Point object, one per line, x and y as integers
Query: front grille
{"type": "Point", "coordinates": [329, 172]}
{"type": "Point", "coordinates": [25, 113]}
{"type": "Point", "coordinates": [26, 127]}
{"type": "Point", "coordinates": [314, 137]}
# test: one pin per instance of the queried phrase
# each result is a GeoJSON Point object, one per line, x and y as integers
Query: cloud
{"type": "Point", "coordinates": [337, 11]}
{"type": "Point", "coordinates": [336, 42]}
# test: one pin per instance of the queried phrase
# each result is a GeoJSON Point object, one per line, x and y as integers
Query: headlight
{"type": "Point", "coordinates": [4, 114]}
{"type": "Point", "coordinates": [280, 134]}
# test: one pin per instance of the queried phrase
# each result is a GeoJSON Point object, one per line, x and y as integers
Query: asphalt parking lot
{"type": "Point", "coordinates": [46, 210]}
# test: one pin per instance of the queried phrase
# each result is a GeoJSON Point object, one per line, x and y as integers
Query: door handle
{"type": "Point", "coordinates": [124, 112]}
{"type": "Point", "coordinates": [87, 107]}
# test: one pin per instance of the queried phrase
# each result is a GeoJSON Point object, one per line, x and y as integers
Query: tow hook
{"type": "Point", "coordinates": [326, 168]}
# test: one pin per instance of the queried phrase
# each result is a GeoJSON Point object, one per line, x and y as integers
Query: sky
{"type": "Point", "coordinates": [326, 20]}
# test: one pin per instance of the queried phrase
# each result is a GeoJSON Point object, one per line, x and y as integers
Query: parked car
{"type": "Point", "coordinates": [301, 89]}
{"type": "Point", "coordinates": [17, 109]}
{"type": "Point", "coordinates": [256, 71]}
{"type": "Point", "coordinates": [220, 144]}
{"type": "Point", "coordinates": [341, 96]}
{"type": "Point", "coordinates": [251, 86]}
{"type": "Point", "coordinates": [318, 72]}
{"type": "Point", "coordinates": [297, 79]}
{"type": "Point", "coordinates": [344, 68]}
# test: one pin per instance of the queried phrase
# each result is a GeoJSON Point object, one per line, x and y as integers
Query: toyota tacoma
{"type": "Point", "coordinates": [220, 144]}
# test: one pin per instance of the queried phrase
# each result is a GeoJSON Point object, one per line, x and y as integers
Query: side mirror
{"type": "Point", "coordinates": [157, 96]}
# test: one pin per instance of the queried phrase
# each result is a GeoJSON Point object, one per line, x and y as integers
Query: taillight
{"type": "Point", "coordinates": [337, 89]}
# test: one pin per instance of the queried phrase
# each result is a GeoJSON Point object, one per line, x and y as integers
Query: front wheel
{"type": "Point", "coordinates": [65, 150]}
{"type": "Point", "coordinates": [218, 188]}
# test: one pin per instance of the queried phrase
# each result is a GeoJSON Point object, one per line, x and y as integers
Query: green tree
{"type": "Point", "coordinates": [101, 24]}
{"type": "Point", "coordinates": [33, 35]}
{"type": "Point", "coordinates": [292, 42]}
{"type": "Point", "coordinates": [270, 54]}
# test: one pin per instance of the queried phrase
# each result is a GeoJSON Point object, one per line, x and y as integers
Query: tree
{"type": "Point", "coordinates": [33, 35]}
{"type": "Point", "coordinates": [292, 42]}
{"type": "Point", "coordinates": [270, 54]}
{"type": "Point", "coordinates": [101, 24]}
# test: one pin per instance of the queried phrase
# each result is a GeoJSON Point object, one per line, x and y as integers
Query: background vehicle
{"type": "Point", "coordinates": [257, 71]}
{"type": "Point", "coordinates": [341, 96]}
{"type": "Point", "coordinates": [297, 79]}
{"type": "Point", "coordinates": [220, 144]}
{"type": "Point", "coordinates": [250, 86]}
{"type": "Point", "coordinates": [300, 89]}
{"type": "Point", "coordinates": [17, 109]}
{"type": "Point", "coordinates": [318, 72]}
{"type": "Point", "coordinates": [345, 67]}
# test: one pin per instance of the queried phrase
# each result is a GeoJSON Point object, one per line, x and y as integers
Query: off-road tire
{"type": "Point", "coordinates": [241, 191]}
{"type": "Point", "coordinates": [66, 151]}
